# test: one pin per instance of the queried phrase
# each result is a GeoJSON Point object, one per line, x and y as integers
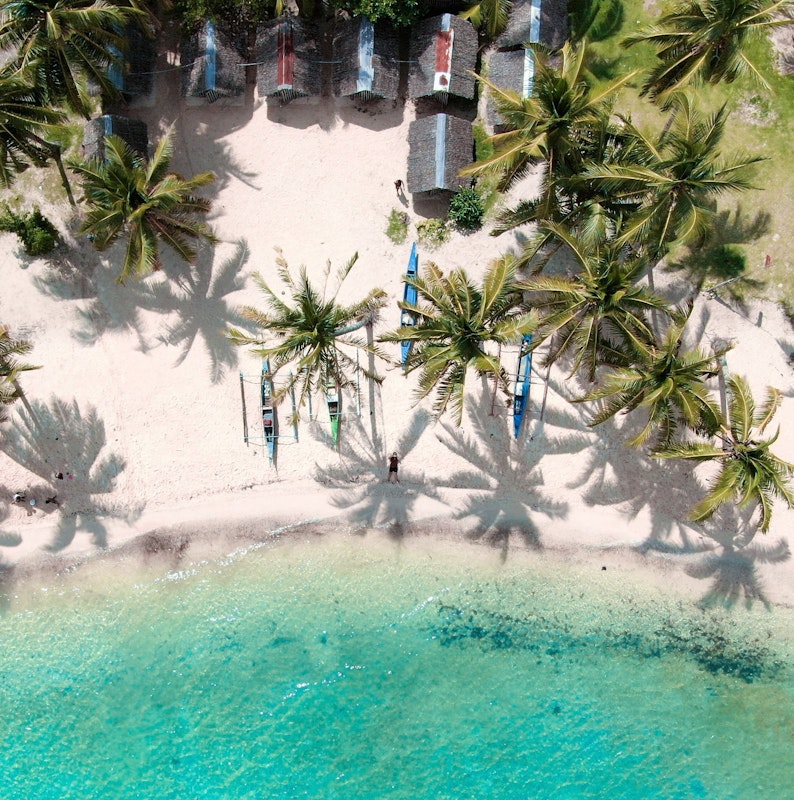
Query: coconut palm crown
{"type": "Point", "coordinates": [676, 179]}
{"type": "Point", "coordinates": [10, 369]}
{"type": "Point", "coordinates": [455, 322]}
{"type": "Point", "coordinates": [553, 124]}
{"type": "Point", "coordinates": [667, 382]}
{"type": "Point", "coordinates": [599, 316]}
{"type": "Point", "coordinates": [705, 41]}
{"type": "Point", "coordinates": [310, 332]}
{"type": "Point", "coordinates": [66, 44]}
{"type": "Point", "coordinates": [748, 470]}
{"type": "Point", "coordinates": [144, 202]}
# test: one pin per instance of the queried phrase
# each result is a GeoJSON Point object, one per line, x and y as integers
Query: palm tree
{"type": "Point", "coordinates": [23, 116]}
{"type": "Point", "coordinates": [667, 382]}
{"type": "Point", "coordinates": [675, 178]}
{"type": "Point", "coordinates": [490, 16]}
{"type": "Point", "coordinates": [65, 43]}
{"type": "Point", "coordinates": [455, 321]}
{"type": "Point", "coordinates": [310, 332]}
{"type": "Point", "coordinates": [144, 203]}
{"type": "Point", "coordinates": [748, 471]}
{"type": "Point", "coordinates": [553, 125]}
{"type": "Point", "coordinates": [704, 41]}
{"type": "Point", "coordinates": [598, 316]}
{"type": "Point", "coordinates": [10, 369]}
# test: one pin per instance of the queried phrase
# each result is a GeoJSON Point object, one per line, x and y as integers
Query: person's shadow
{"type": "Point", "coordinates": [401, 196]}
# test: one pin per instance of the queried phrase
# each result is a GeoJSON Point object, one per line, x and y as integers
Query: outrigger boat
{"type": "Point", "coordinates": [332, 398]}
{"type": "Point", "coordinates": [521, 393]}
{"type": "Point", "coordinates": [410, 295]}
{"type": "Point", "coordinates": [268, 412]}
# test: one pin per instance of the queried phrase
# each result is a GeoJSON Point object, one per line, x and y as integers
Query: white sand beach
{"type": "Point", "coordinates": [139, 394]}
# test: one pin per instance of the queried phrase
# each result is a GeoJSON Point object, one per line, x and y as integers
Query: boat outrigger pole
{"type": "Point", "coordinates": [245, 418]}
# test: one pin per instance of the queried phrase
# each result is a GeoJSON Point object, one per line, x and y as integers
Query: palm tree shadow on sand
{"type": "Point", "coordinates": [197, 295]}
{"type": "Point", "coordinates": [60, 438]}
{"type": "Point", "coordinates": [505, 476]}
{"type": "Point", "coordinates": [371, 502]}
{"type": "Point", "coordinates": [615, 474]}
{"type": "Point", "coordinates": [730, 556]}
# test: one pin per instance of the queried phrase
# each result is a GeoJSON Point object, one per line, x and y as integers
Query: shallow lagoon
{"type": "Point", "coordinates": [341, 667]}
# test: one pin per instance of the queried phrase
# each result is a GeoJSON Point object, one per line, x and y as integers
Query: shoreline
{"type": "Point", "coordinates": [177, 536]}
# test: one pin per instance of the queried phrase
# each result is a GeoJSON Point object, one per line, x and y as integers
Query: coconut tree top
{"type": "Point", "coordinates": [65, 43]}
{"type": "Point", "coordinates": [455, 321]}
{"type": "Point", "coordinates": [311, 332]}
{"type": "Point", "coordinates": [144, 202]}
{"type": "Point", "coordinates": [749, 472]}
{"type": "Point", "coordinates": [705, 41]}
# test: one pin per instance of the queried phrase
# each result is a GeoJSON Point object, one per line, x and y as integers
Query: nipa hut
{"type": "Point", "coordinates": [133, 77]}
{"type": "Point", "coordinates": [213, 65]}
{"type": "Point", "coordinates": [513, 70]}
{"type": "Point", "coordinates": [288, 60]}
{"type": "Point", "coordinates": [132, 131]}
{"type": "Point", "coordinates": [367, 62]}
{"type": "Point", "coordinates": [533, 21]}
{"type": "Point", "coordinates": [443, 55]}
{"type": "Point", "coordinates": [439, 147]}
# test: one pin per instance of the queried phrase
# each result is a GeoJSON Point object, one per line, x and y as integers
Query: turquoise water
{"type": "Point", "coordinates": [339, 668]}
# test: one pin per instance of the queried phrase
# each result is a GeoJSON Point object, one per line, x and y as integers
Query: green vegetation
{"type": "Point", "coordinates": [455, 321]}
{"type": "Point", "coordinates": [306, 331]}
{"type": "Point", "coordinates": [401, 13]}
{"type": "Point", "coordinates": [37, 234]}
{"type": "Point", "coordinates": [397, 229]}
{"type": "Point", "coordinates": [143, 202]}
{"type": "Point", "coordinates": [466, 210]}
{"type": "Point", "coordinates": [10, 368]}
{"type": "Point", "coordinates": [433, 232]}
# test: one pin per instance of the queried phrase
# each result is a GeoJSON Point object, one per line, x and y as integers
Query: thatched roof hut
{"type": "Point", "coordinates": [443, 54]}
{"type": "Point", "coordinates": [134, 78]}
{"type": "Point", "coordinates": [288, 60]}
{"type": "Point", "coordinates": [212, 64]}
{"type": "Point", "coordinates": [368, 65]}
{"type": "Point", "coordinates": [509, 69]}
{"type": "Point", "coordinates": [132, 131]}
{"type": "Point", "coordinates": [532, 21]}
{"type": "Point", "coordinates": [439, 147]}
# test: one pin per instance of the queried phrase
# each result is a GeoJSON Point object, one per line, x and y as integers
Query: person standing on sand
{"type": "Point", "coordinates": [394, 462]}
{"type": "Point", "coordinates": [398, 185]}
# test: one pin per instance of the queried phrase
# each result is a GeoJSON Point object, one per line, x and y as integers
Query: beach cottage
{"type": "Point", "coordinates": [133, 131]}
{"type": "Point", "coordinates": [513, 70]}
{"type": "Point", "coordinates": [366, 60]}
{"type": "Point", "coordinates": [213, 68]}
{"type": "Point", "coordinates": [288, 60]}
{"type": "Point", "coordinates": [439, 147]}
{"type": "Point", "coordinates": [443, 56]}
{"type": "Point", "coordinates": [133, 75]}
{"type": "Point", "coordinates": [543, 21]}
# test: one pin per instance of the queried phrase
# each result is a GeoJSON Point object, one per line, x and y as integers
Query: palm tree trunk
{"type": "Point", "coordinates": [55, 153]}
{"type": "Point", "coordinates": [25, 402]}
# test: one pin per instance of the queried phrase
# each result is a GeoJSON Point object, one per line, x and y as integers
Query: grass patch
{"type": "Point", "coordinates": [433, 232]}
{"type": "Point", "coordinates": [760, 123]}
{"type": "Point", "coordinates": [397, 228]}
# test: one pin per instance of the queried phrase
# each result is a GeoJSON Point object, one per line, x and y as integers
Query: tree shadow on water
{"type": "Point", "coordinates": [374, 502]}
{"type": "Point", "coordinates": [58, 438]}
{"type": "Point", "coordinates": [505, 476]}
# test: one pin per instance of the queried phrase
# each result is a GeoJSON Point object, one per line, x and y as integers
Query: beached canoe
{"type": "Point", "coordinates": [268, 411]}
{"type": "Point", "coordinates": [332, 397]}
{"type": "Point", "coordinates": [521, 391]}
{"type": "Point", "coordinates": [410, 295]}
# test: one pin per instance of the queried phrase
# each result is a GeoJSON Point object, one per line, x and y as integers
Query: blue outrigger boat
{"type": "Point", "coordinates": [410, 295]}
{"type": "Point", "coordinates": [521, 393]}
{"type": "Point", "coordinates": [268, 411]}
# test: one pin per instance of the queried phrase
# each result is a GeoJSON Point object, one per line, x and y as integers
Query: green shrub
{"type": "Point", "coordinates": [397, 229]}
{"type": "Point", "coordinates": [466, 210]}
{"type": "Point", "coordinates": [432, 232]}
{"type": "Point", "coordinates": [37, 234]}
